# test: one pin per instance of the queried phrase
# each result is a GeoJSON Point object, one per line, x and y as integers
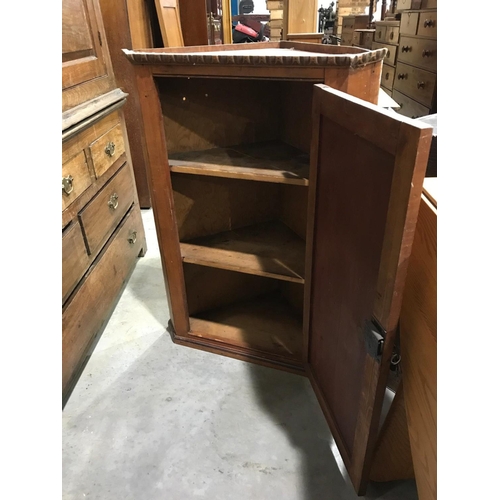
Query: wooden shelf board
{"type": "Point", "coordinates": [267, 324]}
{"type": "Point", "coordinates": [268, 249]}
{"type": "Point", "coordinates": [271, 161]}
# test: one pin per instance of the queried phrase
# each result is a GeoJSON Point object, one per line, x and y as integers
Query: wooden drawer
{"type": "Point", "coordinates": [380, 32]}
{"type": "Point", "coordinates": [420, 52]}
{"type": "Point", "coordinates": [416, 83]}
{"type": "Point", "coordinates": [387, 79]}
{"type": "Point", "coordinates": [75, 179]}
{"type": "Point", "coordinates": [409, 107]}
{"type": "Point", "coordinates": [107, 149]}
{"type": "Point", "coordinates": [348, 23]}
{"type": "Point", "coordinates": [409, 23]}
{"type": "Point", "coordinates": [75, 259]}
{"type": "Point", "coordinates": [409, 4]}
{"type": "Point", "coordinates": [390, 57]}
{"type": "Point", "coordinates": [346, 38]}
{"type": "Point", "coordinates": [427, 24]}
{"type": "Point", "coordinates": [87, 312]}
{"type": "Point", "coordinates": [392, 34]}
{"type": "Point", "coordinates": [100, 217]}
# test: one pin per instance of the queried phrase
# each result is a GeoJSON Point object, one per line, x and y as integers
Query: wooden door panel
{"type": "Point", "coordinates": [82, 56]}
{"type": "Point", "coordinates": [170, 22]}
{"type": "Point", "coordinates": [367, 170]}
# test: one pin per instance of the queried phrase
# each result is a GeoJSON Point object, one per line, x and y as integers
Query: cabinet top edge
{"type": "Point", "coordinates": [294, 54]}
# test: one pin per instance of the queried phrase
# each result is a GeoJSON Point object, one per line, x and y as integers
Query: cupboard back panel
{"type": "Point", "coordinates": [230, 287]}
{"type": "Point", "coordinates": [209, 113]}
{"type": "Point", "coordinates": [210, 205]}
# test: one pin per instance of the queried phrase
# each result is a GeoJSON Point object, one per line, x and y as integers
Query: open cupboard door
{"type": "Point", "coordinates": [367, 171]}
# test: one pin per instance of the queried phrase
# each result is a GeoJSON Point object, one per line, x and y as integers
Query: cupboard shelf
{"type": "Point", "coordinates": [266, 323]}
{"type": "Point", "coordinates": [268, 249]}
{"type": "Point", "coordinates": [269, 161]}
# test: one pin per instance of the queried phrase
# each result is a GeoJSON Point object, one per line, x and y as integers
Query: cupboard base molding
{"type": "Point", "coordinates": [229, 351]}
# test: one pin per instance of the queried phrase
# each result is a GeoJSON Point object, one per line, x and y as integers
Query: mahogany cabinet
{"type": "Point", "coordinates": [102, 230]}
{"type": "Point", "coordinates": [285, 203]}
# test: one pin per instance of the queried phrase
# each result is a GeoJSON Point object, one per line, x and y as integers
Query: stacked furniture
{"type": "Point", "coordinates": [363, 38]}
{"type": "Point", "coordinates": [387, 36]}
{"type": "Point", "coordinates": [275, 8]}
{"type": "Point", "coordinates": [415, 80]}
{"type": "Point", "coordinates": [349, 25]}
{"type": "Point", "coordinates": [102, 230]}
{"type": "Point", "coordinates": [285, 219]}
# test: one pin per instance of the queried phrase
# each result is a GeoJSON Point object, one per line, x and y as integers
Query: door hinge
{"type": "Point", "coordinates": [100, 39]}
{"type": "Point", "coordinates": [374, 339]}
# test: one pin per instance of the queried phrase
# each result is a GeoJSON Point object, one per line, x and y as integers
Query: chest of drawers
{"type": "Point", "coordinates": [415, 81]}
{"type": "Point", "coordinates": [102, 231]}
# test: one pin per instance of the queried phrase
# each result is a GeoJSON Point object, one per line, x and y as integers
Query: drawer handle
{"type": "Point", "coordinates": [132, 237]}
{"type": "Point", "coordinates": [113, 201]}
{"type": "Point", "coordinates": [429, 23]}
{"type": "Point", "coordinates": [67, 184]}
{"type": "Point", "coordinates": [402, 76]}
{"type": "Point", "coordinates": [420, 85]}
{"type": "Point", "coordinates": [387, 76]}
{"type": "Point", "coordinates": [391, 36]}
{"type": "Point", "coordinates": [406, 48]}
{"type": "Point", "coordinates": [110, 149]}
{"type": "Point", "coordinates": [388, 53]}
{"type": "Point", "coordinates": [426, 53]}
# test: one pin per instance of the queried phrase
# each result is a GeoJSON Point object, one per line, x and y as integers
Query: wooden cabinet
{"type": "Point", "coordinates": [387, 36]}
{"type": "Point", "coordinates": [102, 231]}
{"type": "Point", "coordinates": [285, 218]}
{"type": "Point", "coordinates": [415, 84]}
{"type": "Point", "coordinates": [86, 67]}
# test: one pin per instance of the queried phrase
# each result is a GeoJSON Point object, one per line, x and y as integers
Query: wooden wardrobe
{"type": "Point", "coordinates": [285, 204]}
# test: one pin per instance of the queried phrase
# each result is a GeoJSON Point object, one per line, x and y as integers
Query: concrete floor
{"type": "Point", "coordinates": [152, 420]}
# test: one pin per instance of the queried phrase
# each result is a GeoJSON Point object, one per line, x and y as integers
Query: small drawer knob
{"type": "Point", "coordinates": [132, 237]}
{"type": "Point", "coordinates": [110, 149]}
{"type": "Point", "coordinates": [420, 85]}
{"type": "Point", "coordinates": [391, 36]}
{"type": "Point", "coordinates": [405, 48]}
{"type": "Point", "coordinates": [113, 201]}
{"type": "Point", "coordinates": [67, 184]}
{"type": "Point", "coordinates": [402, 76]}
{"type": "Point", "coordinates": [428, 23]}
{"type": "Point", "coordinates": [426, 53]}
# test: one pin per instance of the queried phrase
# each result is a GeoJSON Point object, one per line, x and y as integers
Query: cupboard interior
{"type": "Point", "coordinates": [257, 314]}
{"type": "Point", "coordinates": [239, 167]}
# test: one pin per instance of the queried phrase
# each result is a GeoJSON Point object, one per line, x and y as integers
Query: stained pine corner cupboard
{"type": "Point", "coordinates": [285, 204]}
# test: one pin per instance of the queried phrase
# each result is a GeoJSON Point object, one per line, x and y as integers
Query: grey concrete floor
{"type": "Point", "coordinates": [151, 420]}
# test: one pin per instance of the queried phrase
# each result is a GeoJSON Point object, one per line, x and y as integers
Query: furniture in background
{"type": "Point", "coordinates": [349, 25]}
{"type": "Point", "coordinates": [363, 38]}
{"type": "Point", "coordinates": [415, 81]}
{"type": "Point", "coordinates": [387, 36]}
{"type": "Point", "coordinates": [102, 230]}
{"type": "Point", "coordinates": [299, 16]}
{"type": "Point", "coordinates": [250, 197]}
{"type": "Point", "coordinates": [305, 37]}
{"type": "Point", "coordinates": [275, 8]}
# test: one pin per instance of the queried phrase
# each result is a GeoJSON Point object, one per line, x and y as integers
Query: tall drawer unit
{"type": "Point", "coordinates": [102, 230]}
{"type": "Point", "coordinates": [387, 36]}
{"type": "Point", "coordinates": [416, 67]}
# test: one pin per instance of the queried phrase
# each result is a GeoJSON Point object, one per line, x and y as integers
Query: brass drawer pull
{"type": "Point", "coordinates": [429, 23]}
{"type": "Point", "coordinates": [391, 36]}
{"type": "Point", "coordinates": [113, 201]}
{"type": "Point", "coordinates": [388, 53]}
{"type": "Point", "coordinates": [406, 48]}
{"type": "Point", "coordinates": [402, 76]}
{"type": "Point", "coordinates": [67, 184]}
{"type": "Point", "coordinates": [132, 237]}
{"type": "Point", "coordinates": [420, 85]}
{"type": "Point", "coordinates": [426, 53]}
{"type": "Point", "coordinates": [110, 149]}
